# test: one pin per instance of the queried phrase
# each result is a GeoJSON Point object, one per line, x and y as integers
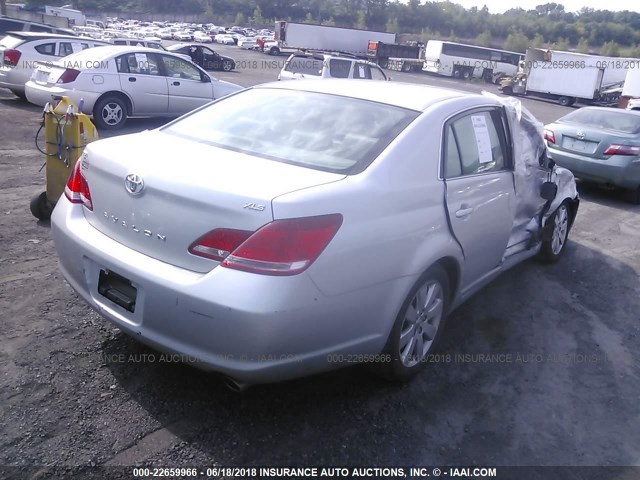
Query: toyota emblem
{"type": "Point", "coordinates": [134, 184]}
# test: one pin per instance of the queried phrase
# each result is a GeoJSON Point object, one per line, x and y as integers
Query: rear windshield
{"type": "Point", "coordinates": [305, 65]}
{"type": "Point", "coordinates": [626, 122]}
{"type": "Point", "coordinates": [10, 42]}
{"type": "Point", "coordinates": [314, 130]}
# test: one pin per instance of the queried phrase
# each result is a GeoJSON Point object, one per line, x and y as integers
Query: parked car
{"type": "Point", "coordinates": [134, 81]}
{"type": "Point", "coordinates": [182, 36]}
{"type": "Point", "coordinates": [323, 65]}
{"type": "Point", "coordinates": [8, 24]}
{"type": "Point", "coordinates": [320, 223]}
{"type": "Point", "coordinates": [201, 37]}
{"type": "Point", "coordinates": [207, 58]}
{"type": "Point", "coordinates": [599, 144]}
{"type": "Point", "coordinates": [248, 43]}
{"type": "Point", "coordinates": [224, 38]}
{"type": "Point", "coordinates": [19, 52]}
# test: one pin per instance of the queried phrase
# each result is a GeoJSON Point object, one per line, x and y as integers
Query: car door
{"type": "Point", "coordinates": [188, 87]}
{"type": "Point", "coordinates": [141, 79]}
{"type": "Point", "coordinates": [212, 61]}
{"type": "Point", "coordinates": [480, 194]}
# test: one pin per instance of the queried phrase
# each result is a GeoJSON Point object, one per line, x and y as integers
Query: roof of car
{"type": "Point", "coordinates": [406, 95]}
{"type": "Point", "coordinates": [42, 35]}
{"type": "Point", "coordinates": [104, 52]}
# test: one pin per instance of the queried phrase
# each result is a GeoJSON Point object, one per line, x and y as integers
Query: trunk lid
{"type": "Point", "coordinates": [588, 141]}
{"type": "Point", "coordinates": [189, 189]}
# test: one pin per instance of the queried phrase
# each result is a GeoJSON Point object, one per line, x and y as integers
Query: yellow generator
{"type": "Point", "coordinates": [66, 131]}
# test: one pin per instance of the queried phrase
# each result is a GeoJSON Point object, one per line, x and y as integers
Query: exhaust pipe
{"type": "Point", "coordinates": [234, 385]}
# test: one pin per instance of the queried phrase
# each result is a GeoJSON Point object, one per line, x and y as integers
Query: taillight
{"type": "Point", "coordinates": [11, 57]}
{"type": "Point", "coordinates": [218, 244]}
{"type": "Point", "coordinates": [628, 150]}
{"type": "Point", "coordinates": [77, 189]}
{"type": "Point", "coordinates": [282, 247]}
{"type": "Point", "coordinates": [69, 75]}
{"type": "Point", "coordinates": [549, 136]}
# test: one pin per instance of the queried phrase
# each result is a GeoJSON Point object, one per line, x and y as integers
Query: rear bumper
{"type": "Point", "coordinates": [254, 328]}
{"type": "Point", "coordinates": [41, 95]}
{"type": "Point", "coordinates": [12, 79]}
{"type": "Point", "coordinates": [619, 171]}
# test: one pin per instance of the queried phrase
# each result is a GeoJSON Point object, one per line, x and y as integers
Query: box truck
{"type": "Point", "coordinates": [292, 37]}
{"type": "Point", "coordinates": [381, 52]}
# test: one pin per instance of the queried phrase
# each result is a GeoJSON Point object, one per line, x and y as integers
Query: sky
{"type": "Point", "coordinates": [499, 6]}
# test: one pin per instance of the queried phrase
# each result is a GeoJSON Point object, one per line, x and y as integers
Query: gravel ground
{"type": "Point", "coordinates": [561, 387]}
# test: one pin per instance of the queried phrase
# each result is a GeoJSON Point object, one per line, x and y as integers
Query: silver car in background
{"type": "Point", "coordinates": [301, 226]}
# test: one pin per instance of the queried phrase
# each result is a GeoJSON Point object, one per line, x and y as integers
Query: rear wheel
{"type": "Point", "coordinates": [19, 94]}
{"type": "Point", "coordinates": [406, 67]}
{"type": "Point", "coordinates": [553, 245]}
{"type": "Point", "coordinates": [274, 51]}
{"type": "Point", "coordinates": [466, 74]}
{"type": "Point", "coordinates": [227, 66]}
{"type": "Point", "coordinates": [417, 327]}
{"type": "Point", "coordinates": [110, 113]}
{"type": "Point", "coordinates": [564, 101]}
{"type": "Point", "coordinates": [634, 196]}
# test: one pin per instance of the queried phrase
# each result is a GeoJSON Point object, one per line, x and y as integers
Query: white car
{"type": "Point", "coordinates": [182, 36]}
{"type": "Point", "coordinates": [118, 82]}
{"type": "Point", "coordinates": [248, 43]}
{"type": "Point", "coordinates": [201, 37]}
{"type": "Point", "coordinates": [19, 52]}
{"type": "Point", "coordinates": [321, 65]}
{"type": "Point", "coordinates": [224, 38]}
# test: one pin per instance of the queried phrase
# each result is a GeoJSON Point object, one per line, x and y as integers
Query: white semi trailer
{"type": "Point", "coordinates": [291, 37]}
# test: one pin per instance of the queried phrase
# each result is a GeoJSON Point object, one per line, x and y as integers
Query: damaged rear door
{"type": "Point", "coordinates": [480, 192]}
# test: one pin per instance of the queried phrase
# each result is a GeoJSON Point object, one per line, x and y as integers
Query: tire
{"type": "Point", "coordinates": [384, 63]}
{"type": "Point", "coordinates": [564, 101]}
{"type": "Point", "coordinates": [466, 74]}
{"type": "Point", "coordinates": [406, 67]}
{"type": "Point", "coordinates": [274, 51]}
{"type": "Point", "coordinates": [20, 95]}
{"type": "Point", "coordinates": [40, 206]}
{"type": "Point", "coordinates": [556, 238]}
{"type": "Point", "coordinates": [403, 345]}
{"type": "Point", "coordinates": [507, 91]}
{"type": "Point", "coordinates": [488, 77]}
{"type": "Point", "coordinates": [227, 66]}
{"type": "Point", "coordinates": [110, 113]}
{"type": "Point", "coordinates": [633, 196]}
{"type": "Point", "coordinates": [457, 73]}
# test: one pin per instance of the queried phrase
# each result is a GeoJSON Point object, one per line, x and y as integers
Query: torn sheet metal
{"type": "Point", "coordinates": [530, 172]}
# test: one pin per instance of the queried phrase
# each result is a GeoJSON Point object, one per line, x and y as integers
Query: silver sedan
{"type": "Point", "coordinates": [290, 229]}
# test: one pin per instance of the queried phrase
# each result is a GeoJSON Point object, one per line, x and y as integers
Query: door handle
{"type": "Point", "coordinates": [177, 84]}
{"type": "Point", "coordinates": [132, 79]}
{"type": "Point", "coordinates": [465, 210]}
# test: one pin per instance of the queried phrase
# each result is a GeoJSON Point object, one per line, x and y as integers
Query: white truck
{"type": "Point", "coordinates": [630, 98]}
{"type": "Point", "coordinates": [567, 77]}
{"type": "Point", "coordinates": [76, 17]}
{"type": "Point", "coordinates": [292, 37]}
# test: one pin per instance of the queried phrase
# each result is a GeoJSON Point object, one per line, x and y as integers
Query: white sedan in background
{"type": "Point", "coordinates": [201, 37]}
{"type": "Point", "coordinates": [122, 81]}
{"type": "Point", "coordinates": [225, 39]}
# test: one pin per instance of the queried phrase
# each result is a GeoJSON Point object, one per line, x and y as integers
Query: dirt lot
{"type": "Point", "coordinates": [540, 368]}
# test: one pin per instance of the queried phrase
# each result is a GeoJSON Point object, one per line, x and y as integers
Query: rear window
{"type": "Point", "coordinates": [305, 65]}
{"type": "Point", "coordinates": [314, 130]}
{"type": "Point", "coordinates": [10, 41]}
{"type": "Point", "coordinates": [625, 122]}
{"type": "Point", "coordinates": [46, 49]}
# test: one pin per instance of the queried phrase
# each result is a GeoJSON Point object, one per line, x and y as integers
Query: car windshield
{"type": "Point", "coordinates": [314, 130]}
{"type": "Point", "coordinates": [626, 122]}
{"type": "Point", "coordinates": [305, 65]}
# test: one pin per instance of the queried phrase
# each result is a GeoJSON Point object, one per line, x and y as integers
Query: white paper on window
{"type": "Point", "coordinates": [483, 140]}
{"type": "Point", "coordinates": [142, 61]}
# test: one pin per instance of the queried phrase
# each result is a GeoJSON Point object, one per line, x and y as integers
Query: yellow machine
{"type": "Point", "coordinates": [67, 131]}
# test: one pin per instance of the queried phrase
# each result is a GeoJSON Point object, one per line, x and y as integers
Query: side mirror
{"type": "Point", "coordinates": [206, 79]}
{"type": "Point", "coordinates": [548, 191]}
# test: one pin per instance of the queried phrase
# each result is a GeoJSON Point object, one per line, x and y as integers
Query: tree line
{"type": "Point", "coordinates": [548, 24]}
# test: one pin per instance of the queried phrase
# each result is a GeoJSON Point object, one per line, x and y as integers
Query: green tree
{"type": "Point", "coordinates": [561, 44]}
{"type": "Point", "coordinates": [308, 18]}
{"type": "Point", "coordinates": [240, 19]}
{"type": "Point", "coordinates": [329, 23]}
{"type": "Point", "coordinates": [362, 20]}
{"type": "Point", "coordinates": [583, 45]}
{"type": "Point", "coordinates": [538, 41]}
{"type": "Point", "coordinates": [610, 49]}
{"type": "Point", "coordinates": [516, 42]}
{"type": "Point", "coordinates": [392, 25]}
{"type": "Point", "coordinates": [484, 39]}
{"type": "Point", "coordinates": [257, 18]}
